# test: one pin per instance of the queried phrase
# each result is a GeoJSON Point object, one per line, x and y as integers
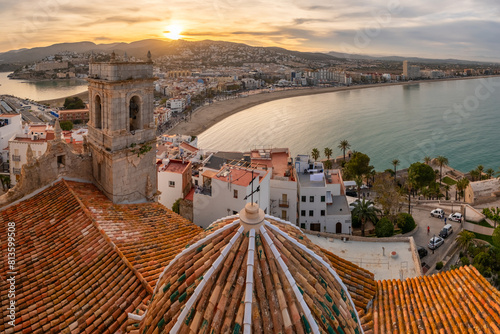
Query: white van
{"type": "Point", "coordinates": [446, 231]}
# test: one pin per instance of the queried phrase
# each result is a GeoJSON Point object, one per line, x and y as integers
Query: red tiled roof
{"type": "Point", "coordinates": [271, 280]}
{"type": "Point", "coordinates": [149, 234]}
{"type": "Point", "coordinates": [359, 281]}
{"type": "Point", "coordinates": [69, 277]}
{"type": "Point", "coordinates": [455, 301]}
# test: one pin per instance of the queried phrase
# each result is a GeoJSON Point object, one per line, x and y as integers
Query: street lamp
{"type": "Point", "coordinates": [433, 243]}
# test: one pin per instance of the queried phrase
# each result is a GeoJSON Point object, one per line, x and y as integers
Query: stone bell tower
{"type": "Point", "coordinates": [121, 129]}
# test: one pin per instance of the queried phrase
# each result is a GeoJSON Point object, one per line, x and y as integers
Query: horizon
{"type": "Point", "coordinates": [362, 27]}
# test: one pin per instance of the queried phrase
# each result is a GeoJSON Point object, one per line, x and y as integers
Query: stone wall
{"type": "Point", "coordinates": [59, 160]}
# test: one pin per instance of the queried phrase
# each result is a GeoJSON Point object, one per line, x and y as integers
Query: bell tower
{"type": "Point", "coordinates": [122, 134]}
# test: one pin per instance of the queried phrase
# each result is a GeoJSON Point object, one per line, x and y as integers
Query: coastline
{"type": "Point", "coordinates": [59, 102]}
{"type": "Point", "coordinates": [207, 116]}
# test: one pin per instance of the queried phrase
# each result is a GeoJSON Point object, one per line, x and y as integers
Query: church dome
{"type": "Point", "coordinates": [250, 273]}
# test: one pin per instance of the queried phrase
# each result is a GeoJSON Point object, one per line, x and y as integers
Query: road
{"type": "Point", "coordinates": [423, 219]}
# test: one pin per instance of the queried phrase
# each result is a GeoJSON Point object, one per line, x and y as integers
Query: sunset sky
{"type": "Point", "coordinates": [426, 28]}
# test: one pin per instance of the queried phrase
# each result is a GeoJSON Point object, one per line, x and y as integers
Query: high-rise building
{"type": "Point", "coordinates": [410, 71]}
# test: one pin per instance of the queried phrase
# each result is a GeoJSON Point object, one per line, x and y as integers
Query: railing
{"type": "Point", "coordinates": [16, 158]}
{"type": "Point", "coordinates": [283, 204]}
{"type": "Point", "coordinates": [16, 171]}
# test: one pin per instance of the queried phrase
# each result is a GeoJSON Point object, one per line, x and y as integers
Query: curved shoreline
{"type": "Point", "coordinates": [207, 116]}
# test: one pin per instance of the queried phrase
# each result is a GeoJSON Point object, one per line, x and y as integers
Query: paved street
{"type": "Point", "coordinates": [423, 219]}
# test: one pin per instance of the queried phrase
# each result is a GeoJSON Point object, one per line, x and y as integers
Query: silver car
{"type": "Point", "coordinates": [435, 242]}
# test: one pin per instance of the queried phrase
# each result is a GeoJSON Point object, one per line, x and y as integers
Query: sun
{"type": "Point", "coordinates": [173, 31]}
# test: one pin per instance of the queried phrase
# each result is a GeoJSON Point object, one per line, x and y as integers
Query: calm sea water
{"type": "Point", "coordinates": [458, 119]}
{"type": "Point", "coordinates": [41, 90]}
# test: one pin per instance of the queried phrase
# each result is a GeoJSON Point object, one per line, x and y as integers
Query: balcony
{"type": "Point", "coordinates": [16, 171]}
{"type": "Point", "coordinates": [16, 158]}
{"type": "Point", "coordinates": [283, 204]}
{"type": "Point", "coordinates": [204, 191]}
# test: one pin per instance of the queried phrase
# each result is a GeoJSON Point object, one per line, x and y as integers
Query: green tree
{"type": "Point", "coordinates": [388, 196]}
{"type": "Point", "coordinates": [493, 214]}
{"type": "Point", "coordinates": [176, 207]}
{"type": "Point", "coordinates": [441, 161]}
{"type": "Point", "coordinates": [395, 163]}
{"type": "Point", "coordinates": [315, 154]}
{"type": "Point", "coordinates": [474, 174]}
{"type": "Point", "coordinates": [496, 237]}
{"type": "Point", "coordinates": [447, 189]}
{"type": "Point", "coordinates": [480, 169]}
{"type": "Point", "coordinates": [328, 164]}
{"type": "Point", "coordinates": [344, 145]}
{"type": "Point", "coordinates": [427, 159]}
{"type": "Point", "coordinates": [406, 222]}
{"type": "Point", "coordinates": [461, 186]}
{"type": "Point", "coordinates": [359, 165]}
{"type": "Point", "coordinates": [384, 228]}
{"type": "Point", "coordinates": [5, 180]}
{"type": "Point", "coordinates": [465, 239]}
{"type": "Point", "coordinates": [490, 172]}
{"type": "Point", "coordinates": [328, 153]}
{"type": "Point", "coordinates": [66, 125]}
{"type": "Point", "coordinates": [74, 103]}
{"type": "Point", "coordinates": [365, 211]}
{"type": "Point", "coordinates": [421, 175]}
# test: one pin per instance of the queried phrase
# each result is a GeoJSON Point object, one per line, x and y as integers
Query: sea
{"type": "Point", "coordinates": [459, 119]}
{"type": "Point", "coordinates": [41, 90]}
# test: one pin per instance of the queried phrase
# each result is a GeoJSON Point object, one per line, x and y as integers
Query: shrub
{"type": "Point", "coordinates": [405, 222]}
{"type": "Point", "coordinates": [66, 125]}
{"type": "Point", "coordinates": [176, 206]}
{"type": "Point", "coordinates": [465, 260]}
{"type": "Point", "coordinates": [356, 222]}
{"type": "Point", "coordinates": [74, 103]}
{"type": "Point", "coordinates": [384, 228]}
{"type": "Point", "coordinates": [439, 265]}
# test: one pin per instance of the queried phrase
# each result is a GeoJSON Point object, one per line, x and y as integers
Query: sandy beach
{"type": "Point", "coordinates": [207, 116]}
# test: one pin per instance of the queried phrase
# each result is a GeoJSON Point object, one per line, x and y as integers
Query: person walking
{"type": "Point", "coordinates": [428, 229]}
{"type": "Point", "coordinates": [445, 220]}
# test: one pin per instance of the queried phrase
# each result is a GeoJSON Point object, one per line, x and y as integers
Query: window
{"type": "Point", "coordinates": [61, 160]}
{"type": "Point", "coordinates": [195, 182]}
{"type": "Point", "coordinates": [235, 193]}
{"type": "Point", "coordinates": [311, 213]}
{"type": "Point", "coordinates": [171, 184]}
{"type": "Point", "coordinates": [303, 198]}
{"type": "Point", "coordinates": [311, 199]}
{"type": "Point", "coordinates": [303, 213]}
{"type": "Point", "coordinates": [283, 214]}
{"type": "Point", "coordinates": [322, 212]}
{"type": "Point", "coordinates": [303, 226]}
{"type": "Point", "coordinates": [323, 198]}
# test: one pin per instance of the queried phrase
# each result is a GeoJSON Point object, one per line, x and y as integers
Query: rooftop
{"type": "Point", "coordinates": [270, 279]}
{"type": "Point", "coordinates": [371, 256]}
{"type": "Point", "coordinates": [277, 159]}
{"type": "Point", "coordinates": [238, 176]}
{"type": "Point", "coordinates": [174, 166]}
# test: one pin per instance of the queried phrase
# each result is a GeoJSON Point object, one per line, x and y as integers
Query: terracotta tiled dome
{"type": "Point", "coordinates": [249, 274]}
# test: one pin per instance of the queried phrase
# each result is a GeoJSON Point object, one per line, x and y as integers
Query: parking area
{"type": "Point", "coordinates": [423, 219]}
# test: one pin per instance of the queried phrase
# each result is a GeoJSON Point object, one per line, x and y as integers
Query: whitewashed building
{"type": "Point", "coordinates": [322, 204]}
{"type": "Point", "coordinates": [174, 180]}
{"type": "Point", "coordinates": [10, 124]}
{"type": "Point", "coordinates": [223, 192]}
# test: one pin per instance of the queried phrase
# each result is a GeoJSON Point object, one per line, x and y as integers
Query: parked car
{"type": "Point", "coordinates": [351, 193]}
{"type": "Point", "coordinates": [435, 242]}
{"type": "Point", "coordinates": [455, 217]}
{"type": "Point", "coordinates": [421, 251]}
{"type": "Point", "coordinates": [446, 231]}
{"type": "Point", "coordinates": [437, 213]}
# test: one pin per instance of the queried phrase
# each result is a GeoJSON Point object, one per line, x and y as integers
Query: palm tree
{"type": "Point", "coordinates": [365, 210]}
{"type": "Point", "coordinates": [344, 145]}
{"type": "Point", "coordinates": [490, 172]}
{"type": "Point", "coordinates": [480, 169]}
{"type": "Point", "coordinates": [473, 173]}
{"type": "Point", "coordinates": [328, 164]}
{"type": "Point", "coordinates": [328, 152]}
{"type": "Point", "coordinates": [427, 159]}
{"type": "Point", "coordinates": [461, 186]}
{"type": "Point", "coordinates": [395, 163]}
{"type": "Point", "coordinates": [447, 188]}
{"type": "Point", "coordinates": [465, 239]}
{"type": "Point", "coordinates": [359, 183]}
{"type": "Point", "coordinates": [315, 154]}
{"type": "Point", "coordinates": [441, 161]}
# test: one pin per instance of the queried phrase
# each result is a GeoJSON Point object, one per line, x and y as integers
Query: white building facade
{"type": "Point", "coordinates": [322, 205]}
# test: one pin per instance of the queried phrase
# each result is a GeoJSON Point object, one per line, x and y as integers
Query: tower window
{"type": "Point", "coordinates": [135, 113]}
{"type": "Point", "coordinates": [97, 112]}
